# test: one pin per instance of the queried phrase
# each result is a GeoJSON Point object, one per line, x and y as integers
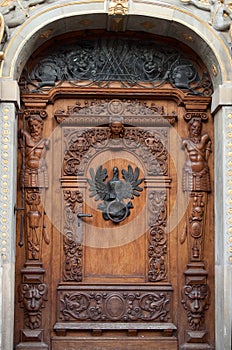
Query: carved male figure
{"type": "Point", "coordinates": [35, 172]}
{"type": "Point", "coordinates": [198, 147]}
{"type": "Point", "coordinates": [34, 180]}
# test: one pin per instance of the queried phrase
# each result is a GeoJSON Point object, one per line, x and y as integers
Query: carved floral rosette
{"type": "Point", "coordinates": [72, 241]}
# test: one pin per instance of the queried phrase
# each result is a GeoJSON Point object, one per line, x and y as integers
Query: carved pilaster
{"type": "Point", "coordinates": [34, 181]}
{"type": "Point", "coordinates": [196, 186]}
{"type": "Point", "coordinates": [32, 296]}
{"type": "Point", "coordinates": [33, 290]}
{"type": "Point", "coordinates": [72, 241]}
{"type": "Point", "coordinates": [157, 249]}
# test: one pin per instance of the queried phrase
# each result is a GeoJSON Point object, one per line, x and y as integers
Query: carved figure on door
{"type": "Point", "coordinates": [196, 175]}
{"type": "Point", "coordinates": [34, 178]}
{"type": "Point", "coordinates": [35, 172]}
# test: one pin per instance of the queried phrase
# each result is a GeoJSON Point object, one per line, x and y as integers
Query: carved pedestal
{"type": "Point", "coordinates": [32, 297]}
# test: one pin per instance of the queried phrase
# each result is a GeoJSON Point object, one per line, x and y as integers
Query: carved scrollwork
{"type": "Point", "coordinates": [72, 240]}
{"type": "Point", "coordinates": [157, 249]}
{"type": "Point", "coordinates": [196, 302]}
{"type": "Point", "coordinates": [79, 146]}
{"type": "Point", "coordinates": [112, 306]}
{"type": "Point", "coordinates": [131, 62]}
{"type": "Point", "coordinates": [150, 146]}
{"type": "Point", "coordinates": [32, 298]}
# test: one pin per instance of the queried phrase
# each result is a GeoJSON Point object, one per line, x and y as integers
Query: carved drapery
{"type": "Point", "coordinates": [220, 14]}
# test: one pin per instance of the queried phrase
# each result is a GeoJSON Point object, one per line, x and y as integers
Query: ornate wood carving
{"type": "Point", "coordinates": [32, 298]}
{"type": "Point", "coordinates": [150, 146]}
{"type": "Point", "coordinates": [115, 306]}
{"type": "Point", "coordinates": [98, 112]}
{"type": "Point", "coordinates": [72, 241]}
{"type": "Point", "coordinates": [196, 185]}
{"type": "Point", "coordinates": [157, 249]}
{"type": "Point", "coordinates": [196, 302]}
{"type": "Point", "coordinates": [34, 181]}
{"type": "Point", "coordinates": [198, 147]}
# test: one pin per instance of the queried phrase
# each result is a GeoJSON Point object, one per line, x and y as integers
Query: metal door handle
{"type": "Point", "coordinates": [82, 215]}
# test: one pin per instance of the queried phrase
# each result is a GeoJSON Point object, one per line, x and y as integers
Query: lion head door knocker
{"type": "Point", "coordinates": [114, 192]}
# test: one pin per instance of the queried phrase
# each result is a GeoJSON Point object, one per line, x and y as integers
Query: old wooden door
{"type": "Point", "coordinates": [117, 228]}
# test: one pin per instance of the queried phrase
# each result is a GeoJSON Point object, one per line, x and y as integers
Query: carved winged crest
{"type": "Point", "coordinates": [114, 192]}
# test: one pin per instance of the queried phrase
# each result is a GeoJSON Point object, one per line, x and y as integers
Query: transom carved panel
{"type": "Point", "coordinates": [130, 62]}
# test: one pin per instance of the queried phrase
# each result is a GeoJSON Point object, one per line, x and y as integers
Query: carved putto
{"type": "Point", "coordinates": [220, 13]}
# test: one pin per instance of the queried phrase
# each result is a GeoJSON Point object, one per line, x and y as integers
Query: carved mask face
{"type": "Point", "coordinates": [32, 300]}
{"type": "Point", "coordinates": [196, 300]}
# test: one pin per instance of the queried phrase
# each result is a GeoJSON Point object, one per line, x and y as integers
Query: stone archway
{"type": "Point", "coordinates": [221, 105]}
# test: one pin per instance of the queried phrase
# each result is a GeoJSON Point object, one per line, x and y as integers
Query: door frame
{"type": "Point", "coordinates": [221, 109]}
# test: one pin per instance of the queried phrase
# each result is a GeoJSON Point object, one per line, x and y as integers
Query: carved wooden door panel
{"type": "Point", "coordinates": [117, 199]}
{"type": "Point", "coordinates": [115, 185]}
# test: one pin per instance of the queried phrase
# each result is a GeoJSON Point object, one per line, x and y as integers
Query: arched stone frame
{"type": "Point", "coordinates": [162, 19]}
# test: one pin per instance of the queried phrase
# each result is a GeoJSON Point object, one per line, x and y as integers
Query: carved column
{"type": "Point", "coordinates": [196, 186]}
{"type": "Point", "coordinates": [32, 290]}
